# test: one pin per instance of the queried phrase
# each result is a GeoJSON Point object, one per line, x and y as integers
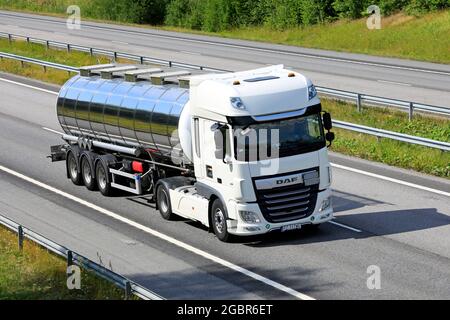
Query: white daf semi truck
{"type": "Point", "coordinates": [243, 153]}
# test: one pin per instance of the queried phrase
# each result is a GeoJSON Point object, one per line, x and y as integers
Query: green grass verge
{"type": "Point", "coordinates": [36, 274]}
{"type": "Point", "coordinates": [422, 38]}
{"type": "Point", "coordinates": [387, 151]}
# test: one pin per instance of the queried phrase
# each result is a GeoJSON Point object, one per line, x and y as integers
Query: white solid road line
{"type": "Point", "coordinates": [344, 226]}
{"type": "Point", "coordinates": [409, 184]}
{"type": "Point", "coordinates": [397, 83]}
{"type": "Point", "coordinates": [28, 86]}
{"type": "Point", "coordinates": [120, 42]}
{"type": "Point", "coordinates": [162, 236]}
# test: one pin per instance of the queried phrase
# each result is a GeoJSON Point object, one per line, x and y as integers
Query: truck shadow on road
{"type": "Point", "coordinates": [370, 222]}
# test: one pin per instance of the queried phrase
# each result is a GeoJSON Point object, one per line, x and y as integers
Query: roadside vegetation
{"type": "Point", "coordinates": [387, 151]}
{"type": "Point", "coordinates": [412, 29]}
{"type": "Point", "coordinates": [36, 274]}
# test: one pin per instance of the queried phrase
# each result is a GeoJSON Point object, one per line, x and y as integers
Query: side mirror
{"type": "Point", "coordinates": [327, 123]}
{"type": "Point", "coordinates": [329, 136]}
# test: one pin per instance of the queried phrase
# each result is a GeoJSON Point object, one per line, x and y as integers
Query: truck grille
{"type": "Point", "coordinates": [287, 203]}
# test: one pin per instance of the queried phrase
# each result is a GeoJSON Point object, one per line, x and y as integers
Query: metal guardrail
{"type": "Point", "coordinates": [444, 146]}
{"type": "Point", "coordinates": [360, 98]}
{"type": "Point", "coordinates": [355, 97]}
{"type": "Point", "coordinates": [42, 63]}
{"type": "Point", "coordinates": [111, 54]}
{"type": "Point", "coordinates": [74, 258]}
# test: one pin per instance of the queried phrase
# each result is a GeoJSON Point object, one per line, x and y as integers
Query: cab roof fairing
{"type": "Point", "coordinates": [211, 95]}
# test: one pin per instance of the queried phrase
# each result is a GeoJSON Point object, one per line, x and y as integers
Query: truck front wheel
{"type": "Point", "coordinates": [163, 202]}
{"type": "Point", "coordinates": [219, 221]}
{"type": "Point", "coordinates": [72, 169]}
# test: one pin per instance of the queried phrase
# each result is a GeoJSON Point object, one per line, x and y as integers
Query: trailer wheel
{"type": "Point", "coordinates": [103, 181]}
{"type": "Point", "coordinates": [219, 221]}
{"type": "Point", "coordinates": [87, 174]}
{"type": "Point", "coordinates": [163, 202]}
{"type": "Point", "coordinates": [72, 169]}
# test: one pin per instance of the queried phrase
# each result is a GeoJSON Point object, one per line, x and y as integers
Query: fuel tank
{"type": "Point", "coordinates": [131, 114]}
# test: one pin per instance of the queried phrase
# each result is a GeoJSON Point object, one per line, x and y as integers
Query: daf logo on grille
{"type": "Point", "coordinates": [288, 180]}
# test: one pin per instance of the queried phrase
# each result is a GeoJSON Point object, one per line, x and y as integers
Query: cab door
{"type": "Point", "coordinates": [213, 165]}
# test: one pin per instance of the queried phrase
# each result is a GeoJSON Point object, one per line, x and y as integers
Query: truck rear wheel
{"type": "Point", "coordinates": [72, 169]}
{"type": "Point", "coordinates": [103, 180]}
{"type": "Point", "coordinates": [163, 202]}
{"type": "Point", "coordinates": [88, 174]}
{"type": "Point", "coordinates": [219, 221]}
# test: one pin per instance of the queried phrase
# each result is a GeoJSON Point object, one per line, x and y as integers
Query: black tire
{"type": "Point", "coordinates": [103, 179]}
{"type": "Point", "coordinates": [87, 173]}
{"type": "Point", "coordinates": [219, 221]}
{"type": "Point", "coordinates": [163, 202]}
{"type": "Point", "coordinates": [72, 169]}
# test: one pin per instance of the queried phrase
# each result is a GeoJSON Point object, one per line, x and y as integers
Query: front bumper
{"type": "Point", "coordinates": [239, 227]}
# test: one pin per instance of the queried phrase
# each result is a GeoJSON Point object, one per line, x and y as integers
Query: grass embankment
{"type": "Point", "coordinates": [387, 151]}
{"type": "Point", "coordinates": [422, 159]}
{"type": "Point", "coordinates": [36, 274]}
{"type": "Point", "coordinates": [423, 37]}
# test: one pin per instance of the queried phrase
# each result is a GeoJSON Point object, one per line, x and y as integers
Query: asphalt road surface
{"type": "Point", "coordinates": [381, 221]}
{"type": "Point", "coordinates": [387, 77]}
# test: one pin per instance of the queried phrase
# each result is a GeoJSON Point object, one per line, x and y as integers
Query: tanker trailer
{"type": "Point", "coordinates": [243, 153]}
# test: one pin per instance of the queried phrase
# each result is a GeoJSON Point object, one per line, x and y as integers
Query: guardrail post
{"type": "Point", "coordinates": [115, 56]}
{"type": "Point", "coordinates": [22, 63]}
{"type": "Point", "coordinates": [68, 47]}
{"type": "Point", "coordinates": [45, 68]}
{"type": "Point", "coordinates": [47, 44]}
{"type": "Point", "coordinates": [358, 102]}
{"type": "Point", "coordinates": [69, 258]}
{"type": "Point", "coordinates": [28, 40]}
{"type": "Point", "coordinates": [127, 290]}
{"type": "Point", "coordinates": [170, 64]}
{"type": "Point", "coordinates": [20, 234]}
{"type": "Point", "coordinates": [141, 60]}
{"type": "Point", "coordinates": [411, 111]}
{"type": "Point", "coordinates": [9, 38]}
{"type": "Point", "coordinates": [91, 51]}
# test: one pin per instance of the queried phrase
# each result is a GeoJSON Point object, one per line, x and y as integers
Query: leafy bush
{"type": "Point", "coordinates": [220, 15]}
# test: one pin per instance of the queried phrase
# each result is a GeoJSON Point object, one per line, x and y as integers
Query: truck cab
{"type": "Point", "coordinates": [259, 152]}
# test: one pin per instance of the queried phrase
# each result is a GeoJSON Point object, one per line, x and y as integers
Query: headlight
{"type": "Point", "coordinates": [237, 103]}
{"type": "Point", "coordinates": [326, 204]}
{"type": "Point", "coordinates": [249, 217]}
{"type": "Point", "coordinates": [312, 92]}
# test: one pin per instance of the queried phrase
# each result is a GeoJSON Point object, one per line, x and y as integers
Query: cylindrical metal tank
{"type": "Point", "coordinates": [132, 114]}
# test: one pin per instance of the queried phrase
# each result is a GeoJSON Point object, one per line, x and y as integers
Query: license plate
{"type": "Point", "coordinates": [290, 227]}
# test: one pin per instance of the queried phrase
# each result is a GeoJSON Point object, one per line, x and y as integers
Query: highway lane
{"type": "Point", "coordinates": [404, 230]}
{"type": "Point", "coordinates": [395, 78]}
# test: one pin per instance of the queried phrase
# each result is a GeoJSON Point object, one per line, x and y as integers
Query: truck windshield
{"type": "Point", "coordinates": [277, 139]}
